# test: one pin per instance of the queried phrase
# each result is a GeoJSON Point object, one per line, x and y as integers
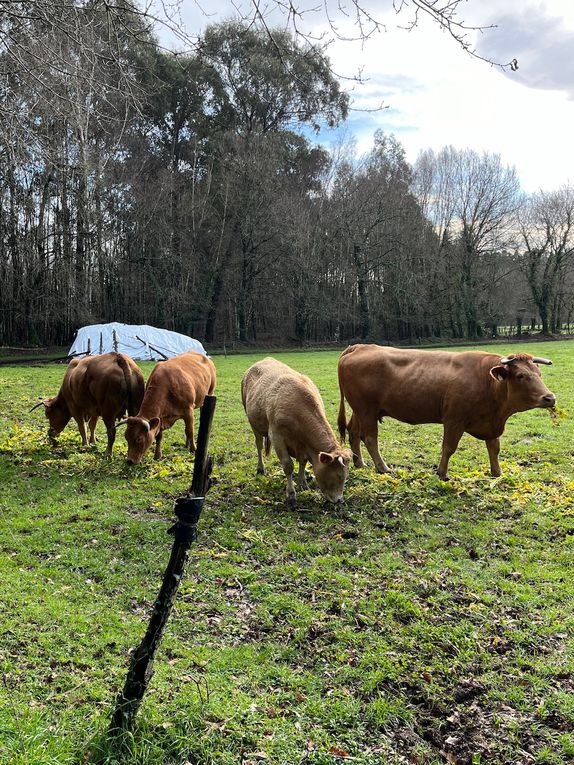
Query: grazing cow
{"type": "Point", "coordinates": [285, 410]}
{"type": "Point", "coordinates": [472, 392]}
{"type": "Point", "coordinates": [174, 388]}
{"type": "Point", "coordinates": [96, 386]}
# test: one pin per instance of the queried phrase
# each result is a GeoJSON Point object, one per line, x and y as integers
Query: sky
{"type": "Point", "coordinates": [434, 94]}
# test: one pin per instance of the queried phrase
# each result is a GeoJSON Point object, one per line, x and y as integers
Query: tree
{"type": "Point", "coordinates": [472, 200]}
{"type": "Point", "coordinates": [547, 232]}
{"type": "Point", "coordinates": [265, 91]}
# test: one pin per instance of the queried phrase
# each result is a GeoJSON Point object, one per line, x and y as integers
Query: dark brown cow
{"type": "Point", "coordinates": [96, 386]}
{"type": "Point", "coordinates": [174, 388]}
{"type": "Point", "coordinates": [471, 392]}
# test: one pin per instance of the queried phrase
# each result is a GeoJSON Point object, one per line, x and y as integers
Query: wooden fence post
{"type": "Point", "coordinates": [187, 510]}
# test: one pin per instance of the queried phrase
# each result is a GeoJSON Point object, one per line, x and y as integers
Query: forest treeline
{"type": "Point", "coordinates": [191, 192]}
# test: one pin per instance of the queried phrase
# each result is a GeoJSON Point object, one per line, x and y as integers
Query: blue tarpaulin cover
{"type": "Point", "coordinates": [140, 341]}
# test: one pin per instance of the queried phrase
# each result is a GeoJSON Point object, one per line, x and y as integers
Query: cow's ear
{"type": "Point", "coordinates": [499, 373]}
{"type": "Point", "coordinates": [325, 457]}
{"type": "Point", "coordinates": [154, 423]}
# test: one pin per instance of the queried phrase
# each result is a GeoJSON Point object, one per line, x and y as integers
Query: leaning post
{"type": "Point", "coordinates": [187, 510]}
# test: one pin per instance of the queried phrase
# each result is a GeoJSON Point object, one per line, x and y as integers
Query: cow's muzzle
{"type": "Point", "coordinates": [548, 401]}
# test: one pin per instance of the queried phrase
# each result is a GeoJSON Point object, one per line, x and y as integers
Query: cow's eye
{"type": "Point", "coordinates": [520, 376]}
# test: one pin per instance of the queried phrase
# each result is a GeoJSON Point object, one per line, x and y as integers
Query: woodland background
{"type": "Point", "coordinates": [191, 191]}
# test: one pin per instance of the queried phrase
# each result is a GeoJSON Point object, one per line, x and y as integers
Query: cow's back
{"type": "Point", "coordinates": [106, 384]}
{"type": "Point", "coordinates": [413, 386]}
{"type": "Point", "coordinates": [182, 379]}
{"type": "Point", "coordinates": [276, 396]}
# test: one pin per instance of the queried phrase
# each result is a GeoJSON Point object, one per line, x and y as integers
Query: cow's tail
{"type": "Point", "coordinates": [212, 381]}
{"type": "Point", "coordinates": [124, 366]}
{"type": "Point", "coordinates": [267, 445]}
{"type": "Point", "coordinates": [342, 418]}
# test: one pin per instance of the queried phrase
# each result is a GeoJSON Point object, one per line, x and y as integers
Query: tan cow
{"type": "Point", "coordinates": [471, 392]}
{"type": "Point", "coordinates": [175, 387]}
{"type": "Point", "coordinates": [96, 386]}
{"type": "Point", "coordinates": [285, 410]}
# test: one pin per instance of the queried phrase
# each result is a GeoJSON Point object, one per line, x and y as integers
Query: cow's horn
{"type": "Point", "coordinates": [121, 422]}
{"type": "Point", "coordinates": [508, 360]}
{"type": "Point", "coordinates": [540, 360]}
{"type": "Point", "coordinates": [40, 403]}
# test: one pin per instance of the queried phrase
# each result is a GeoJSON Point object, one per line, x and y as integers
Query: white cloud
{"type": "Point", "coordinates": [437, 95]}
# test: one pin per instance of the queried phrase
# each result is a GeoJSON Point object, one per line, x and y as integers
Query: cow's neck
{"type": "Point", "coordinates": [320, 440]}
{"type": "Point", "coordinates": [153, 403]}
{"type": "Point", "coordinates": [501, 408]}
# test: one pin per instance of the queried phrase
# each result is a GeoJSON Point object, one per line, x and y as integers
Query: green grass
{"type": "Point", "coordinates": [420, 622]}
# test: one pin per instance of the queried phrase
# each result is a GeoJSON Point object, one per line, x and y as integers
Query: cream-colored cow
{"type": "Point", "coordinates": [285, 410]}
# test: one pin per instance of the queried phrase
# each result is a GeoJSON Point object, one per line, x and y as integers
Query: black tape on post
{"type": "Point", "coordinates": [187, 510]}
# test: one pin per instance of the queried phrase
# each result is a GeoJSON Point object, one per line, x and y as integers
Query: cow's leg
{"type": "Point", "coordinates": [287, 465]}
{"type": "Point", "coordinates": [451, 437]}
{"type": "Point", "coordinates": [111, 431]}
{"type": "Point", "coordinates": [372, 444]}
{"type": "Point", "coordinates": [354, 431]}
{"type": "Point", "coordinates": [92, 424]}
{"type": "Point", "coordinates": [259, 445]}
{"type": "Point", "coordinates": [157, 454]}
{"type": "Point", "coordinates": [82, 428]}
{"type": "Point", "coordinates": [188, 420]}
{"type": "Point", "coordinates": [301, 478]}
{"type": "Point", "coordinates": [493, 446]}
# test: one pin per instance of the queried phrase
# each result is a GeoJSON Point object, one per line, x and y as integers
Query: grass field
{"type": "Point", "coordinates": [419, 622]}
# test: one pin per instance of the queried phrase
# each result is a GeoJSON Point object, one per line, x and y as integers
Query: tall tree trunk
{"type": "Point", "coordinates": [363, 292]}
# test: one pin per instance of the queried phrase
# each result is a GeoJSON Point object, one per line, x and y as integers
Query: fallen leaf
{"type": "Point", "coordinates": [338, 752]}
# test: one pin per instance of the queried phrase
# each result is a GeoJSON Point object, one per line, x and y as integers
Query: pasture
{"type": "Point", "coordinates": [419, 622]}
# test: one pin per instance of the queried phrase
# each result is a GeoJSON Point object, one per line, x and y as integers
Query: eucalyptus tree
{"type": "Point", "coordinates": [268, 90]}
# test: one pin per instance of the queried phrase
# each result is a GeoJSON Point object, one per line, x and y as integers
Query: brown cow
{"type": "Point", "coordinates": [174, 388]}
{"type": "Point", "coordinates": [285, 410]}
{"type": "Point", "coordinates": [95, 386]}
{"type": "Point", "coordinates": [471, 392]}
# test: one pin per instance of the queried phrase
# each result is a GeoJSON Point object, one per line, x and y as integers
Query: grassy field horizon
{"type": "Point", "coordinates": [419, 622]}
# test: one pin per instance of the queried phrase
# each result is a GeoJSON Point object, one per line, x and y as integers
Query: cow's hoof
{"type": "Point", "coordinates": [292, 502]}
{"type": "Point", "coordinates": [496, 474]}
{"type": "Point", "coordinates": [443, 477]}
{"type": "Point", "coordinates": [359, 463]}
{"type": "Point", "coordinates": [260, 471]}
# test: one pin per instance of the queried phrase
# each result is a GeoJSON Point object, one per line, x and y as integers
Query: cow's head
{"type": "Point", "coordinates": [140, 434]}
{"type": "Point", "coordinates": [522, 376]}
{"type": "Point", "coordinates": [331, 471]}
{"type": "Point", "coordinates": [57, 414]}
